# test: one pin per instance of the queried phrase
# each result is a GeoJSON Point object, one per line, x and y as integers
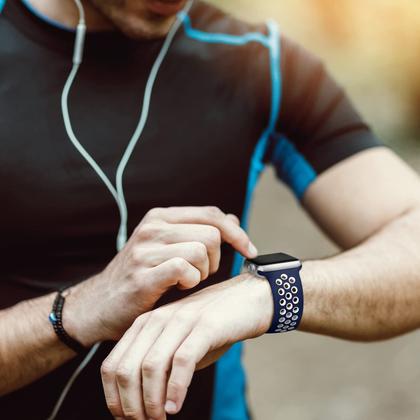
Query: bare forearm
{"type": "Point", "coordinates": [29, 347]}
{"type": "Point", "coordinates": [371, 292]}
{"type": "Point", "coordinates": [171, 247]}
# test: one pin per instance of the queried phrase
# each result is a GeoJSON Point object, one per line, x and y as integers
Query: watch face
{"type": "Point", "coordinates": [272, 259]}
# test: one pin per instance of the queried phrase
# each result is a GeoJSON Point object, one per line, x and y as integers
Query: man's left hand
{"type": "Point", "coordinates": [148, 373]}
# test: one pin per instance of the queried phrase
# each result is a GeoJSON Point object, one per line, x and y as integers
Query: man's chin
{"type": "Point", "coordinates": [140, 23]}
{"type": "Point", "coordinates": [153, 28]}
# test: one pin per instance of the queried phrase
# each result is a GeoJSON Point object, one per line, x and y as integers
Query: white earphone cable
{"type": "Point", "coordinates": [70, 382]}
{"type": "Point", "coordinates": [118, 191]}
{"type": "Point", "coordinates": [81, 11]}
{"type": "Point", "coordinates": [122, 235]}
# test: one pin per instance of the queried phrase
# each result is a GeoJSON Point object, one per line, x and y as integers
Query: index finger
{"type": "Point", "coordinates": [228, 226]}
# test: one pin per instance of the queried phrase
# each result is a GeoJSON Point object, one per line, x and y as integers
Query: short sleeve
{"type": "Point", "coordinates": [318, 126]}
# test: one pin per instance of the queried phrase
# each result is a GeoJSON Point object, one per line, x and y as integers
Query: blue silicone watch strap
{"type": "Point", "coordinates": [286, 286]}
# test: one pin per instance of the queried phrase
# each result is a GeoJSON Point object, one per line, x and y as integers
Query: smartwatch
{"type": "Point", "coordinates": [282, 273]}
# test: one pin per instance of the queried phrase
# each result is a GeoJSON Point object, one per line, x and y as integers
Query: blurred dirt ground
{"type": "Point", "coordinates": [306, 377]}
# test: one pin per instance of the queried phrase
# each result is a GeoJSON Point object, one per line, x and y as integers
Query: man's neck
{"type": "Point", "coordinates": [66, 13]}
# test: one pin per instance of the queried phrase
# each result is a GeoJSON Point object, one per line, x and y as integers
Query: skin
{"type": "Point", "coordinates": [368, 292]}
{"type": "Point", "coordinates": [173, 247]}
{"type": "Point", "coordinates": [167, 250]}
{"type": "Point", "coordinates": [132, 17]}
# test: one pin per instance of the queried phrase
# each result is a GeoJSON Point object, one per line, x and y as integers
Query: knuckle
{"type": "Point", "coordinates": [149, 366]}
{"type": "Point", "coordinates": [107, 368]}
{"type": "Point", "coordinates": [198, 256]}
{"type": "Point", "coordinates": [123, 375]}
{"type": "Point", "coordinates": [214, 266]}
{"type": "Point", "coordinates": [138, 254]}
{"type": "Point", "coordinates": [183, 358]}
{"type": "Point", "coordinates": [179, 266]}
{"type": "Point", "coordinates": [214, 236]}
{"type": "Point", "coordinates": [149, 231]}
{"type": "Point", "coordinates": [200, 251]}
{"type": "Point", "coordinates": [234, 218]}
{"type": "Point", "coordinates": [157, 317]}
{"type": "Point", "coordinates": [152, 406]}
{"type": "Point", "coordinates": [140, 321]}
{"type": "Point", "coordinates": [176, 388]}
{"type": "Point", "coordinates": [115, 408]}
{"type": "Point", "coordinates": [154, 213]}
{"type": "Point", "coordinates": [190, 278]}
{"type": "Point", "coordinates": [155, 360]}
{"type": "Point", "coordinates": [131, 415]}
{"type": "Point", "coordinates": [195, 279]}
{"type": "Point", "coordinates": [214, 212]}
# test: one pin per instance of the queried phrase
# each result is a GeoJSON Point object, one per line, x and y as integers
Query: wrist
{"type": "Point", "coordinates": [80, 319]}
{"type": "Point", "coordinates": [262, 300]}
{"type": "Point", "coordinates": [312, 320]}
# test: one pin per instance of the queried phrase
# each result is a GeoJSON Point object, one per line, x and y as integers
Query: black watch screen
{"type": "Point", "coordinates": [272, 259]}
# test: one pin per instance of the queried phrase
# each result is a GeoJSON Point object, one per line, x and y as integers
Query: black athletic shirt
{"type": "Point", "coordinates": [229, 97]}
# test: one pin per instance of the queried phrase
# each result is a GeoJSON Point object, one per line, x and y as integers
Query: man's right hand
{"type": "Point", "coordinates": [177, 246]}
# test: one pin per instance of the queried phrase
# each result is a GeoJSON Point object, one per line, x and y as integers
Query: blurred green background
{"type": "Point", "coordinates": [372, 47]}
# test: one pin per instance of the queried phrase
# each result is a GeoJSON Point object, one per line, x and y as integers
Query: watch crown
{"type": "Point", "coordinates": [252, 268]}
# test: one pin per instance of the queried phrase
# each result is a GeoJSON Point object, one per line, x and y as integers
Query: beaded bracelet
{"type": "Point", "coordinates": [56, 320]}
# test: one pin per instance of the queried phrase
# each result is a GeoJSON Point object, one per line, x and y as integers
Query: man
{"type": "Point", "coordinates": [215, 112]}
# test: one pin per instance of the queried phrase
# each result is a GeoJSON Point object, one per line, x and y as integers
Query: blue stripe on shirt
{"type": "Point", "coordinates": [291, 166]}
{"type": "Point", "coordinates": [230, 384]}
